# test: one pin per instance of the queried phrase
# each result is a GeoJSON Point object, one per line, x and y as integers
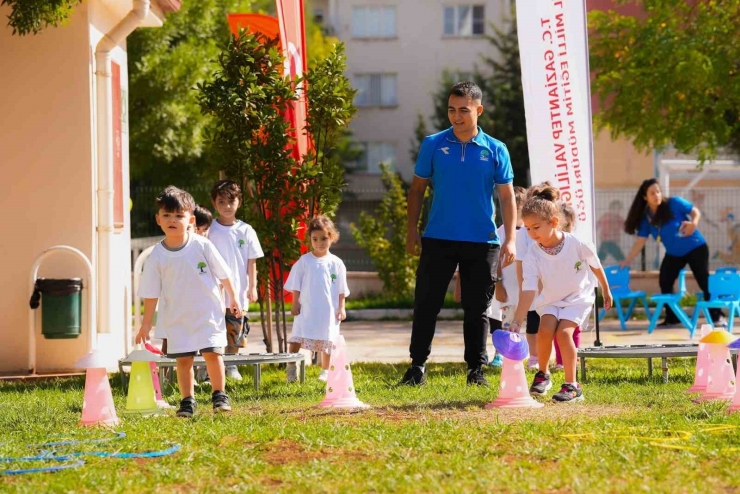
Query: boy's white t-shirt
{"type": "Point", "coordinates": [566, 279]}
{"type": "Point", "coordinates": [237, 244]}
{"type": "Point", "coordinates": [509, 281]}
{"type": "Point", "coordinates": [190, 313]}
{"type": "Point", "coordinates": [320, 280]}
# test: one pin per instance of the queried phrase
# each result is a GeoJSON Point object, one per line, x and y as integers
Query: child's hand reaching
{"type": "Point", "coordinates": [236, 308]}
{"type": "Point", "coordinates": [607, 295]}
{"type": "Point", "coordinates": [295, 309]}
{"type": "Point", "coordinates": [341, 314]}
{"type": "Point", "coordinates": [143, 335]}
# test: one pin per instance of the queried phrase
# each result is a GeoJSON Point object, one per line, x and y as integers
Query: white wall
{"type": "Point", "coordinates": [47, 191]}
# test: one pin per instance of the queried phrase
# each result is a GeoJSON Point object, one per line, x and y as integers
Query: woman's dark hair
{"type": "Point", "coordinates": [638, 209]}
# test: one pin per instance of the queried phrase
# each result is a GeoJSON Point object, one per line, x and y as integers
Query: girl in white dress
{"type": "Point", "coordinates": [563, 264]}
{"type": "Point", "coordinates": [318, 281]}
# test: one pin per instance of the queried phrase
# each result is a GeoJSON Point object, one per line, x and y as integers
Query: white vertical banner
{"type": "Point", "coordinates": [553, 45]}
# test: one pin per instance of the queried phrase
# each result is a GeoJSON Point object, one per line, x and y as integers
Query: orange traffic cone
{"type": "Point", "coordinates": [721, 380]}
{"type": "Point", "coordinates": [97, 405]}
{"type": "Point", "coordinates": [513, 390]}
{"type": "Point", "coordinates": [701, 373]}
{"type": "Point", "coordinates": [340, 388]}
{"type": "Point", "coordinates": [735, 405]}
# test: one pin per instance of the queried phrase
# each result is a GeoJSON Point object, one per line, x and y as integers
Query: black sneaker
{"type": "Point", "coordinates": [476, 377]}
{"type": "Point", "coordinates": [187, 407]}
{"type": "Point", "coordinates": [541, 384]}
{"type": "Point", "coordinates": [568, 394]}
{"type": "Point", "coordinates": [414, 377]}
{"type": "Point", "coordinates": [220, 402]}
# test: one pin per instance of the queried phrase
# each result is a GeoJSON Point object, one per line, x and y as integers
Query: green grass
{"type": "Point", "coordinates": [635, 434]}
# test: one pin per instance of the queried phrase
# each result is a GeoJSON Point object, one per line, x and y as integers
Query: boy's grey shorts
{"type": "Point", "coordinates": [216, 349]}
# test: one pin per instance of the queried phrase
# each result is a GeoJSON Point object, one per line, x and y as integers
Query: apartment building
{"type": "Point", "coordinates": [397, 51]}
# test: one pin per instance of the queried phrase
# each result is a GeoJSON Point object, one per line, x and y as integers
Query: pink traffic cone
{"type": "Point", "coordinates": [721, 380]}
{"type": "Point", "coordinates": [97, 405]}
{"type": "Point", "coordinates": [701, 373]}
{"type": "Point", "coordinates": [340, 388]}
{"type": "Point", "coordinates": [514, 390]}
{"type": "Point", "coordinates": [735, 405]}
{"type": "Point", "coordinates": [155, 377]}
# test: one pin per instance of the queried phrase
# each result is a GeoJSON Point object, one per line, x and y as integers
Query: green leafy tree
{"type": "Point", "coordinates": [330, 109]}
{"type": "Point", "coordinates": [247, 98]}
{"type": "Point", "coordinates": [166, 64]}
{"type": "Point", "coordinates": [383, 236]}
{"type": "Point", "coordinates": [32, 16]}
{"type": "Point", "coordinates": [670, 76]}
{"type": "Point", "coordinates": [202, 266]}
{"type": "Point", "coordinates": [499, 78]}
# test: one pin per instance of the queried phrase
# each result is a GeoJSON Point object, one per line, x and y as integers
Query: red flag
{"type": "Point", "coordinates": [293, 38]}
{"type": "Point", "coordinates": [255, 23]}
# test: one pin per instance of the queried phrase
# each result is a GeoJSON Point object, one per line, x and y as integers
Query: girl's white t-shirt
{"type": "Point", "coordinates": [190, 313]}
{"type": "Point", "coordinates": [566, 278]}
{"type": "Point", "coordinates": [509, 281]}
{"type": "Point", "coordinates": [237, 244]}
{"type": "Point", "coordinates": [523, 244]}
{"type": "Point", "coordinates": [320, 280]}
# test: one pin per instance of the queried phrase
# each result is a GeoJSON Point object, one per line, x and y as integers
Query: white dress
{"type": "Point", "coordinates": [237, 244]}
{"type": "Point", "coordinates": [190, 313]}
{"type": "Point", "coordinates": [320, 281]}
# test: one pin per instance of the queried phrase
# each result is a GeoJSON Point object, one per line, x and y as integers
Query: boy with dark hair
{"type": "Point", "coordinates": [237, 242]}
{"type": "Point", "coordinates": [203, 220]}
{"type": "Point", "coordinates": [183, 274]}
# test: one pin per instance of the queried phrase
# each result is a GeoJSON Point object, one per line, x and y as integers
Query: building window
{"type": "Point", "coordinates": [373, 154]}
{"type": "Point", "coordinates": [464, 20]}
{"type": "Point", "coordinates": [373, 22]}
{"type": "Point", "coordinates": [318, 16]}
{"type": "Point", "coordinates": [375, 89]}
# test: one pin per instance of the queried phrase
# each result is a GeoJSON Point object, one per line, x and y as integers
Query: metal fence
{"type": "Point", "coordinates": [720, 223]}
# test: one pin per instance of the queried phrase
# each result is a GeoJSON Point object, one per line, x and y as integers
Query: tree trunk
{"type": "Point", "coordinates": [266, 333]}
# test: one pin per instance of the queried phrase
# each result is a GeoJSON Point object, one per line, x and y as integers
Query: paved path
{"type": "Point", "coordinates": [388, 341]}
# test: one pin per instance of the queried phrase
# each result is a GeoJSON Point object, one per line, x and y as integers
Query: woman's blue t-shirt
{"type": "Point", "coordinates": [675, 244]}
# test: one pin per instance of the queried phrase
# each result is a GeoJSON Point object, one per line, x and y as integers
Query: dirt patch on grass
{"type": "Point", "coordinates": [287, 451]}
{"type": "Point", "coordinates": [550, 412]}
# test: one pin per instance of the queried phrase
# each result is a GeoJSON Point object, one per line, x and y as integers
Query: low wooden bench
{"type": "Point", "coordinates": [256, 360]}
{"type": "Point", "coordinates": [649, 352]}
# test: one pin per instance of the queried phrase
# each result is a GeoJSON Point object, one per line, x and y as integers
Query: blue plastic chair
{"type": "Point", "coordinates": [671, 300]}
{"type": "Point", "coordinates": [726, 270]}
{"type": "Point", "coordinates": [725, 294]}
{"type": "Point", "coordinates": [619, 284]}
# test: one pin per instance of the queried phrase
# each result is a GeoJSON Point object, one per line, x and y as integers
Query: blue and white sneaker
{"type": "Point", "coordinates": [497, 361]}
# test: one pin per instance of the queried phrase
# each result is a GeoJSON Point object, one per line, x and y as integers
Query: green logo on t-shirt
{"type": "Point", "coordinates": [577, 266]}
{"type": "Point", "coordinates": [241, 242]}
{"type": "Point", "coordinates": [202, 266]}
{"type": "Point", "coordinates": [333, 277]}
{"type": "Point", "coordinates": [484, 154]}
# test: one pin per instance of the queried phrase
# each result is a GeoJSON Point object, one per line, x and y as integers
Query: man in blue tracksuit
{"type": "Point", "coordinates": [464, 165]}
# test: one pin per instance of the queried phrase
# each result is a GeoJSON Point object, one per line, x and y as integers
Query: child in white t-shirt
{"type": "Point", "coordinates": [561, 263]}
{"type": "Point", "coordinates": [318, 281]}
{"type": "Point", "coordinates": [238, 244]}
{"type": "Point", "coordinates": [183, 274]}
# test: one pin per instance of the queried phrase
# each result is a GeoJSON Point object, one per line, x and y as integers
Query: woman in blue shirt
{"type": "Point", "coordinates": [673, 222]}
